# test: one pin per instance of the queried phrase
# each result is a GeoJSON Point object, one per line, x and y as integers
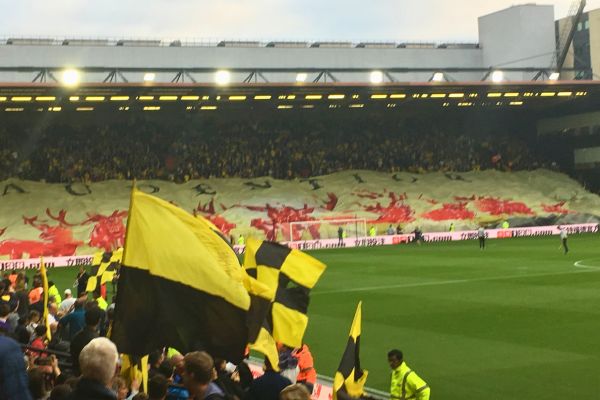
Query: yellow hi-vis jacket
{"type": "Point", "coordinates": [372, 231]}
{"type": "Point", "coordinates": [406, 384]}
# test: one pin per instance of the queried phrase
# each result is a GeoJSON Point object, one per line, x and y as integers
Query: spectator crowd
{"type": "Point", "coordinates": [77, 361]}
{"type": "Point", "coordinates": [181, 150]}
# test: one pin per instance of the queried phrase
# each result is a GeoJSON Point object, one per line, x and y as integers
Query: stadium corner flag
{"type": "Point", "coordinates": [180, 285]}
{"type": "Point", "coordinates": [350, 378]}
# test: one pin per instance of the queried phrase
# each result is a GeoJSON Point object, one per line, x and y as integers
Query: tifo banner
{"type": "Point", "coordinates": [52, 262]}
{"type": "Point", "coordinates": [68, 220]}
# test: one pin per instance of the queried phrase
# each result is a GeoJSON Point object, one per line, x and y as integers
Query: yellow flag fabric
{"type": "Point", "coordinates": [288, 275]}
{"type": "Point", "coordinates": [177, 246]}
{"type": "Point", "coordinates": [131, 371]}
{"type": "Point", "coordinates": [350, 379]}
{"type": "Point", "coordinates": [282, 277]}
{"type": "Point", "coordinates": [45, 286]}
{"type": "Point", "coordinates": [177, 270]}
{"type": "Point", "coordinates": [266, 345]}
{"type": "Point", "coordinates": [105, 263]}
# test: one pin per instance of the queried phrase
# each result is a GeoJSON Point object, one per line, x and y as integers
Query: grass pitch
{"type": "Point", "coordinates": [517, 321]}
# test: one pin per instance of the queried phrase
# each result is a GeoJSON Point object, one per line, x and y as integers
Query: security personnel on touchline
{"type": "Point", "coordinates": [241, 240]}
{"type": "Point", "coordinates": [505, 224]}
{"type": "Point", "coordinates": [372, 232]}
{"type": "Point", "coordinates": [406, 384]}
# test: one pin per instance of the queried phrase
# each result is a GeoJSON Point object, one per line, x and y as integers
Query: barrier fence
{"type": "Point", "coordinates": [317, 244]}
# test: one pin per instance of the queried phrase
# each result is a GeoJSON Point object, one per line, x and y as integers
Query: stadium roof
{"type": "Point", "coordinates": [564, 97]}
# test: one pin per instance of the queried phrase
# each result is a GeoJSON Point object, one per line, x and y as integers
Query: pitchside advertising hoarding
{"type": "Point", "coordinates": [442, 236]}
{"type": "Point", "coordinates": [72, 261]}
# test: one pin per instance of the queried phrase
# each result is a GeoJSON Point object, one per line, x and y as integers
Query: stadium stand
{"type": "Point", "coordinates": [143, 149]}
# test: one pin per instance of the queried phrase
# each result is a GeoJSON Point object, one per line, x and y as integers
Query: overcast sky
{"type": "Point", "coordinates": [353, 20]}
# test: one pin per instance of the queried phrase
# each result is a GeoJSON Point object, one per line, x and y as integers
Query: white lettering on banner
{"type": "Point", "coordinates": [50, 262]}
{"type": "Point", "coordinates": [55, 262]}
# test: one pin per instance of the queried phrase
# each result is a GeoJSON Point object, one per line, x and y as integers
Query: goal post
{"type": "Point", "coordinates": [327, 229]}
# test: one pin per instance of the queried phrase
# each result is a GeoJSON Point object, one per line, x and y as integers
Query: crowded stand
{"type": "Point", "coordinates": [77, 361]}
{"type": "Point", "coordinates": [182, 151]}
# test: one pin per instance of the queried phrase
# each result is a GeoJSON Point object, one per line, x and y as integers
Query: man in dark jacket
{"type": "Point", "coordinates": [13, 378]}
{"type": "Point", "coordinates": [268, 386]}
{"type": "Point", "coordinates": [98, 363]}
{"type": "Point", "coordinates": [89, 332]}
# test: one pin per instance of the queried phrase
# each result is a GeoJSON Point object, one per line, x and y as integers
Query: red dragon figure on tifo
{"type": "Point", "coordinates": [55, 241]}
{"type": "Point", "coordinates": [279, 218]}
{"type": "Point", "coordinates": [208, 211]}
{"type": "Point", "coordinates": [108, 232]}
{"type": "Point", "coordinates": [394, 212]}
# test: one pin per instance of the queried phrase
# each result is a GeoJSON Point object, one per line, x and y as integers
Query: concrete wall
{"type": "Point", "coordinates": [588, 155]}
{"type": "Point", "coordinates": [519, 36]}
{"type": "Point", "coordinates": [555, 125]}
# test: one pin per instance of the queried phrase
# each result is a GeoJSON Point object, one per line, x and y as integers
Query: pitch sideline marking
{"type": "Point", "coordinates": [580, 264]}
{"type": "Point", "coordinates": [455, 281]}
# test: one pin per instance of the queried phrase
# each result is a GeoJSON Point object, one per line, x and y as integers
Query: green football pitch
{"type": "Point", "coordinates": [519, 320]}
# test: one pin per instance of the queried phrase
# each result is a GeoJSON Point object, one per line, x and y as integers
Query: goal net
{"type": "Point", "coordinates": [327, 229]}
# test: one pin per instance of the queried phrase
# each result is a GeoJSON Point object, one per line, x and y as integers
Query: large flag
{"type": "Point", "coordinates": [180, 285]}
{"type": "Point", "coordinates": [288, 276]}
{"type": "Point", "coordinates": [104, 267]}
{"type": "Point", "coordinates": [349, 380]}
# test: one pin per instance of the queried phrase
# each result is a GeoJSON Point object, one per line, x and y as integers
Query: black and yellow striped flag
{"type": "Point", "coordinates": [104, 267]}
{"type": "Point", "coordinates": [350, 379]}
{"type": "Point", "coordinates": [288, 275]}
{"type": "Point", "coordinates": [180, 285]}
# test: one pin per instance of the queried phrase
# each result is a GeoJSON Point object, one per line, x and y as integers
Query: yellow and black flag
{"type": "Point", "coordinates": [349, 380]}
{"type": "Point", "coordinates": [180, 285]}
{"type": "Point", "coordinates": [104, 267]}
{"type": "Point", "coordinates": [288, 275]}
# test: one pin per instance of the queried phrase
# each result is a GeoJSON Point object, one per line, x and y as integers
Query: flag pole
{"type": "Point", "coordinates": [133, 189]}
{"type": "Point", "coordinates": [45, 286]}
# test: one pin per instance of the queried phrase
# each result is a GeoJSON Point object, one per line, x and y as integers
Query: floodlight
{"type": "Point", "coordinates": [438, 77]}
{"type": "Point", "coordinates": [376, 77]}
{"type": "Point", "coordinates": [301, 77]}
{"type": "Point", "coordinates": [70, 77]}
{"type": "Point", "coordinates": [222, 77]}
{"type": "Point", "coordinates": [554, 76]}
{"type": "Point", "coordinates": [149, 76]}
{"type": "Point", "coordinates": [497, 76]}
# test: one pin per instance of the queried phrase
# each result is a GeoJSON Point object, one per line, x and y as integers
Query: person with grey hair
{"type": "Point", "coordinates": [297, 391]}
{"type": "Point", "coordinates": [98, 363]}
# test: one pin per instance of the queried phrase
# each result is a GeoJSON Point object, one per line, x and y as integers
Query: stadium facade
{"type": "Point", "coordinates": [520, 37]}
{"type": "Point", "coordinates": [521, 41]}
